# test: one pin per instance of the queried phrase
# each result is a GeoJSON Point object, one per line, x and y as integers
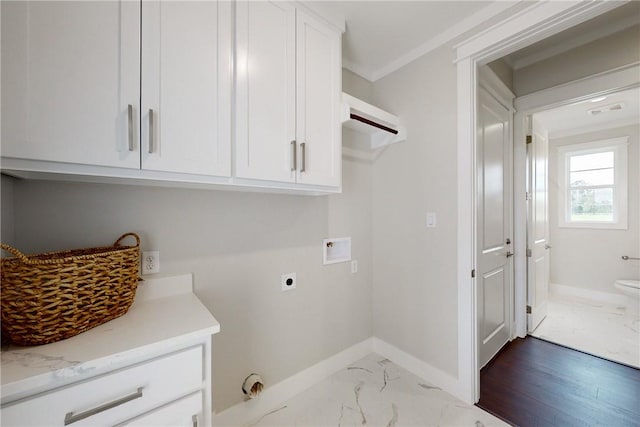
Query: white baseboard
{"type": "Point", "coordinates": [420, 368]}
{"type": "Point", "coordinates": [599, 296]}
{"type": "Point", "coordinates": [272, 396]}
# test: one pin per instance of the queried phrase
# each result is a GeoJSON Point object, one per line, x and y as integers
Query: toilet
{"type": "Point", "coordinates": [631, 288]}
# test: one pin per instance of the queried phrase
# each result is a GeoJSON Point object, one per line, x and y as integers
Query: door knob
{"type": "Point", "coordinates": [548, 246]}
{"type": "Point", "coordinates": [509, 254]}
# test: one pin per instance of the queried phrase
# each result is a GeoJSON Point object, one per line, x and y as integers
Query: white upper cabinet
{"type": "Point", "coordinates": [288, 96]}
{"type": "Point", "coordinates": [72, 84]}
{"type": "Point", "coordinates": [318, 92]}
{"type": "Point", "coordinates": [185, 87]}
{"type": "Point", "coordinates": [139, 91]}
{"type": "Point", "coordinates": [265, 90]}
{"type": "Point", "coordinates": [70, 70]}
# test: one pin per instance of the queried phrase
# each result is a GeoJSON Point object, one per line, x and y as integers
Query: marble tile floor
{"type": "Point", "coordinates": [375, 392]}
{"type": "Point", "coordinates": [602, 329]}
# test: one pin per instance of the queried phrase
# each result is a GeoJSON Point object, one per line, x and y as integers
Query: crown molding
{"type": "Point", "coordinates": [462, 27]}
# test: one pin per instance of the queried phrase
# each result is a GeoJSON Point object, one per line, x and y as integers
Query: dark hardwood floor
{"type": "Point", "coordinates": [532, 382]}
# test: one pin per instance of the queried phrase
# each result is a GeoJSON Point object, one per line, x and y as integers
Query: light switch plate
{"type": "Point", "coordinates": [431, 219]}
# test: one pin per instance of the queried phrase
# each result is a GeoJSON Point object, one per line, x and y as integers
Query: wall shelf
{"type": "Point", "coordinates": [368, 127]}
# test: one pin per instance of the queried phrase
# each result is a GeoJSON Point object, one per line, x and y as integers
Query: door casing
{"type": "Point", "coordinates": [536, 22]}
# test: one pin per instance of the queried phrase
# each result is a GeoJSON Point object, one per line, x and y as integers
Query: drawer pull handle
{"type": "Point", "coordinates": [294, 160]}
{"type": "Point", "coordinates": [130, 126]}
{"type": "Point", "coordinates": [194, 419]}
{"type": "Point", "coordinates": [71, 418]}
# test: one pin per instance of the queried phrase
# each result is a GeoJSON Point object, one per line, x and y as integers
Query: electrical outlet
{"type": "Point", "coordinates": [150, 262]}
{"type": "Point", "coordinates": [288, 281]}
{"type": "Point", "coordinates": [354, 266]}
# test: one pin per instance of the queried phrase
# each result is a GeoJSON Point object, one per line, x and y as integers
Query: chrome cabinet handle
{"type": "Point", "coordinates": [71, 418]}
{"type": "Point", "coordinates": [627, 257]}
{"type": "Point", "coordinates": [303, 146]}
{"type": "Point", "coordinates": [294, 156]}
{"type": "Point", "coordinates": [130, 123]}
{"type": "Point", "coordinates": [194, 419]}
{"type": "Point", "coordinates": [151, 131]}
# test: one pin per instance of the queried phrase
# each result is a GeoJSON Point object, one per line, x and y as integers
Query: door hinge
{"type": "Point", "coordinates": [529, 139]}
{"type": "Point", "coordinates": [526, 196]}
{"type": "Point", "coordinates": [473, 273]}
{"type": "Point", "coordinates": [529, 253]}
{"type": "Point", "coordinates": [528, 309]}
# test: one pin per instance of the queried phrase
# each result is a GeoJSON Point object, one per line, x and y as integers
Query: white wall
{"type": "Point", "coordinates": [237, 245]}
{"type": "Point", "coordinates": [414, 267]}
{"type": "Point", "coordinates": [356, 86]}
{"type": "Point", "coordinates": [601, 55]}
{"type": "Point", "coordinates": [590, 258]}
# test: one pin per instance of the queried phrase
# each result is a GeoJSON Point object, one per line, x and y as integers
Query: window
{"type": "Point", "coordinates": [593, 184]}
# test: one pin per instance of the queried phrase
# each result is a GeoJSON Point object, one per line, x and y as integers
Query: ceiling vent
{"type": "Point", "coordinates": [606, 109]}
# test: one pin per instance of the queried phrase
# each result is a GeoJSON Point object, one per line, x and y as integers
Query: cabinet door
{"type": "Point", "coordinates": [318, 102]}
{"type": "Point", "coordinates": [69, 72]}
{"type": "Point", "coordinates": [186, 87]}
{"type": "Point", "coordinates": [185, 412]}
{"type": "Point", "coordinates": [265, 90]}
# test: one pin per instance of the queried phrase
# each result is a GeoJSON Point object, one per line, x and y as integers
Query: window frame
{"type": "Point", "coordinates": [619, 147]}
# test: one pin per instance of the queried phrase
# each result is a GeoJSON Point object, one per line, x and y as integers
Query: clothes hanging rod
{"type": "Point", "coordinates": [374, 124]}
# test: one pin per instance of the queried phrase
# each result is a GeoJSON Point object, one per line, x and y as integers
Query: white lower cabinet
{"type": "Point", "coordinates": [120, 396]}
{"type": "Point", "coordinates": [185, 412]}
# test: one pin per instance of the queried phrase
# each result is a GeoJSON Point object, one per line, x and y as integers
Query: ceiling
{"type": "Point", "coordinates": [383, 36]}
{"type": "Point", "coordinates": [574, 118]}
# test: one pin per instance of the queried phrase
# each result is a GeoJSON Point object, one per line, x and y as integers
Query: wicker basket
{"type": "Point", "coordinates": [56, 295]}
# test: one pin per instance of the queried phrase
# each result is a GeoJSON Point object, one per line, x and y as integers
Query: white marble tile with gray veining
{"type": "Point", "coordinates": [375, 392]}
{"type": "Point", "coordinates": [602, 329]}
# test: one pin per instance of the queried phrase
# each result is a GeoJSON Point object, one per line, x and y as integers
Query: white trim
{"type": "Point", "coordinates": [274, 395]}
{"type": "Point", "coordinates": [467, 24]}
{"type": "Point", "coordinates": [433, 375]}
{"type": "Point", "coordinates": [580, 40]}
{"type": "Point", "coordinates": [489, 80]}
{"type": "Point", "coordinates": [616, 124]}
{"type": "Point", "coordinates": [619, 148]}
{"type": "Point", "coordinates": [540, 20]}
{"type": "Point", "coordinates": [533, 24]}
{"type": "Point", "coordinates": [605, 83]}
{"type": "Point", "coordinates": [599, 296]}
{"type": "Point", "coordinates": [358, 69]}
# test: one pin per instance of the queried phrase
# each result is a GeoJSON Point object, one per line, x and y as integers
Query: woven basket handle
{"type": "Point", "coordinates": [121, 238]}
{"type": "Point", "coordinates": [22, 257]}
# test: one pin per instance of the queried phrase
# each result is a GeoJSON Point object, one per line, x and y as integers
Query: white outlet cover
{"type": "Point", "coordinates": [284, 281]}
{"type": "Point", "coordinates": [150, 262]}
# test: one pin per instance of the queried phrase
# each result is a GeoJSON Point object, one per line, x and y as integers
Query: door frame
{"type": "Point", "coordinates": [612, 81]}
{"type": "Point", "coordinates": [532, 24]}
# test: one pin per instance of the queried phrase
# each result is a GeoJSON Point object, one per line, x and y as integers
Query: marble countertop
{"type": "Point", "coordinates": [165, 313]}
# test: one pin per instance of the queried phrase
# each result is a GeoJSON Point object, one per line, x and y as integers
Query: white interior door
{"type": "Point", "coordinates": [538, 226]}
{"type": "Point", "coordinates": [494, 257]}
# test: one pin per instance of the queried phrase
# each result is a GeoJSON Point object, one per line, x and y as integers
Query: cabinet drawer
{"type": "Point", "coordinates": [113, 397]}
{"type": "Point", "coordinates": [185, 412]}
